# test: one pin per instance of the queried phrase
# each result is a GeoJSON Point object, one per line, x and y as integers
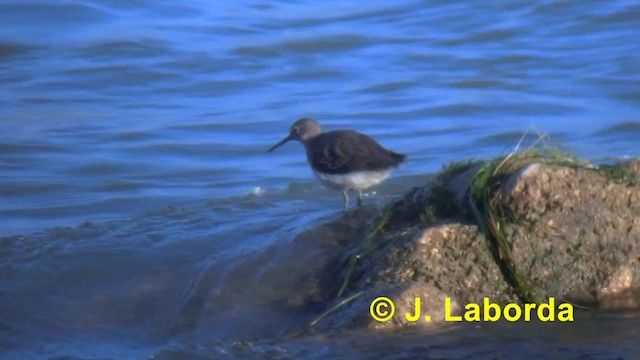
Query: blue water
{"type": "Point", "coordinates": [133, 135]}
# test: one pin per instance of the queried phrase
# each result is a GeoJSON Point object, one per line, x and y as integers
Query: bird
{"type": "Point", "coordinates": [345, 160]}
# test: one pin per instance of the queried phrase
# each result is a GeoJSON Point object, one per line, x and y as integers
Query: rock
{"type": "Point", "coordinates": [633, 166]}
{"type": "Point", "coordinates": [450, 257]}
{"type": "Point", "coordinates": [555, 228]}
{"type": "Point", "coordinates": [403, 295]}
{"type": "Point", "coordinates": [580, 232]}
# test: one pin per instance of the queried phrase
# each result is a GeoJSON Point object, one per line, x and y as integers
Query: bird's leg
{"type": "Point", "coordinates": [359, 198]}
{"type": "Point", "coordinates": [345, 196]}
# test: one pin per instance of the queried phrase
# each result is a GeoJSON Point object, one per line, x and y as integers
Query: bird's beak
{"type": "Point", "coordinates": [280, 143]}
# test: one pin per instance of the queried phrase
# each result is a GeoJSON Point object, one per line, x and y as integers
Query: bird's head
{"type": "Point", "coordinates": [301, 130]}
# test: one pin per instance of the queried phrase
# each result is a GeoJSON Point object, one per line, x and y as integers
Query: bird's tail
{"type": "Point", "coordinates": [398, 158]}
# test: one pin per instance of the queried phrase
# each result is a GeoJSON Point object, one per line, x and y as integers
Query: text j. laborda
{"type": "Point", "coordinates": [382, 309]}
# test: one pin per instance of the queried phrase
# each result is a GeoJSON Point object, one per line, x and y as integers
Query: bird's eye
{"type": "Point", "coordinates": [295, 130]}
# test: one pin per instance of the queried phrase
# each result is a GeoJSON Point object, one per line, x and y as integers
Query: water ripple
{"type": "Point", "coordinates": [49, 14]}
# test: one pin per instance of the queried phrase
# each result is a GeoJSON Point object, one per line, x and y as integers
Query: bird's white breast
{"type": "Point", "coordinates": [357, 180]}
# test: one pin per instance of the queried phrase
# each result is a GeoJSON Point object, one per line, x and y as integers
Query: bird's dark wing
{"type": "Point", "coordinates": [343, 151]}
